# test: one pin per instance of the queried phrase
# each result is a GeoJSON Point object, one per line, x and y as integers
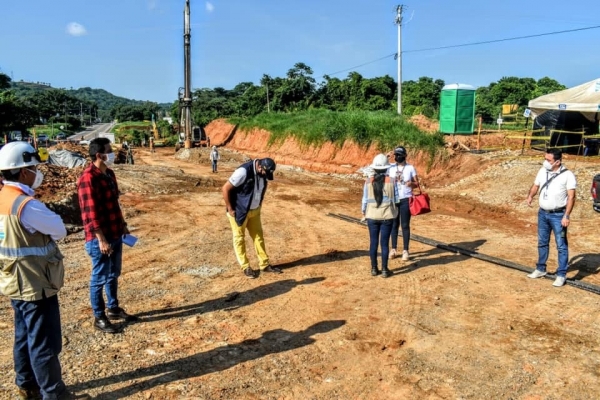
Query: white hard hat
{"type": "Point", "coordinates": [18, 155]}
{"type": "Point", "coordinates": [380, 162]}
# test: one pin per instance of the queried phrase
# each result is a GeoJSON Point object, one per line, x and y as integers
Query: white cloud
{"type": "Point", "coordinates": [76, 29]}
{"type": "Point", "coordinates": [152, 4]}
{"type": "Point", "coordinates": [209, 6]}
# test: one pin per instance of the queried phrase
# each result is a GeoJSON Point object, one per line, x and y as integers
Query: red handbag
{"type": "Point", "coordinates": [419, 203]}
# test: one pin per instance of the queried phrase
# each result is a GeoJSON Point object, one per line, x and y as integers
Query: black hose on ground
{"type": "Point", "coordinates": [471, 253]}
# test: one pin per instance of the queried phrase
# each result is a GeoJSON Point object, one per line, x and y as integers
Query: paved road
{"type": "Point", "coordinates": [92, 132]}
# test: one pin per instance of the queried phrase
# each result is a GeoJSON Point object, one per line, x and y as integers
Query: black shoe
{"type": "Point", "coordinates": [386, 273]}
{"type": "Point", "coordinates": [270, 268]}
{"type": "Point", "coordinates": [104, 325]}
{"type": "Point", "coordinates": [29, 394]}
{"type": "Point", "coordinates": [375, 271]}
{"type": "Point", "coordinates": [249, 272]}
{"type": "Point", "coordinates": [67, 395]}
{"type": "Point", "coordinates": [119, 313]}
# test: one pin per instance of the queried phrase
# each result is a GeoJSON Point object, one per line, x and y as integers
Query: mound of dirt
{"type": "Point", "coordinates": [424, 123]}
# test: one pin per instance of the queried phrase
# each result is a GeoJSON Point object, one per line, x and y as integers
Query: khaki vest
{"type": "Point", "coordinates": [387, 209]}
{"type": "Point", "coordinates": [31, 266]}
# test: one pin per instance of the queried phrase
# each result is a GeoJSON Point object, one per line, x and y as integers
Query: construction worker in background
{"type": "Point", "coordinates": [151, 144]}
{"type": "Point", "coordinates": [31, 274]}
{"type": "Point", "coordinates": [214, 158]}
{"type": "Point", "coordinates": [243, 194]}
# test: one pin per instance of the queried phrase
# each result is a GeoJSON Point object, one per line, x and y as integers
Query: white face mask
{"type": "Point", "coordinates": [548, 165]}
{"type": "Point", "coordinates": [110, 159]}
{"type": "Point", "coordinates": [39, 177]}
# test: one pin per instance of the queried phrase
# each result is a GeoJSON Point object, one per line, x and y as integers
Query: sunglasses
{"type": "Point", "coordinates": [27, 156]}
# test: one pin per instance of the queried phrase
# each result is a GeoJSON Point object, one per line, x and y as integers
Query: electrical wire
{"type": "Point", "coordinates": [504, 40]}
{"type": "Point", "coordinates": [362, 65]}
{"type": "Point", "coordinates": [395, 55]}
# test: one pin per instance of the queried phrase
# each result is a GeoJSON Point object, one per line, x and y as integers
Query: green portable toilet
{"type": "Point", "coordinates": [457, 109]}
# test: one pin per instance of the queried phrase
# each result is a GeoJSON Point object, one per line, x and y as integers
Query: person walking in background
{"type": "Point", "coordinates": [379, 209]}
{"type": "Point", "coordinates": [405, 176]}
{"type": "Point", "coordinates": [214, 157]}
{"type": "Point", "coordinates": [31, 274]}
{"type": "Point", "coordinates": [243, 194]}
{"type": "Point", "coordinates": [104, 227]}
{"type": "Point", "coordinates": [556, 186]}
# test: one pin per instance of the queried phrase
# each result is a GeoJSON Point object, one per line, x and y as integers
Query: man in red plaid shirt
{"type": "Point", "coordinates": [104, 229]}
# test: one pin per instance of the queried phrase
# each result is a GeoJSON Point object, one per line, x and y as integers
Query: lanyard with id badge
{"type": "Point", "coordinates": [548, 180]}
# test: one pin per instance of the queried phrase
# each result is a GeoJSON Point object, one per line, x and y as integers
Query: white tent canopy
{"type": "Point", "coordinates": [584, 98]}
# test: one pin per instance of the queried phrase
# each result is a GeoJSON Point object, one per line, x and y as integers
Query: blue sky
{"type": "Point", "coordinates": [134, 48]}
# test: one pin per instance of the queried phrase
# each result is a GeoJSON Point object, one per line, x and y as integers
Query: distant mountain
{"type": "Point", "coordinates": [105, 100]}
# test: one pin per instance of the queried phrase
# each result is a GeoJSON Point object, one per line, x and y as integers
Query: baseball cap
{"type": "Point", "coordinates": [400, 150]}
{"type": "Point", "coordinates": [269, 166]}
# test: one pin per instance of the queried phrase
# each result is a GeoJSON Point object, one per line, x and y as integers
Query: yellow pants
{"type": "Point", "coordinates": [252, 222]}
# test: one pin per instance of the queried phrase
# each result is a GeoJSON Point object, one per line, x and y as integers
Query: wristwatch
{"type": "Point", "coordinates": [567, 216]}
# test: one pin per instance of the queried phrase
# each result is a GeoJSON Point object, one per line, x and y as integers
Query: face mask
{"type": "Point", "coordinates": [39, 177]}
{"type": "Point", "coordinates": [548, 165]}
{"type": "Point", "coordinates": [110, 159]}
{"type": "Point", "coordinates": [400, 159]}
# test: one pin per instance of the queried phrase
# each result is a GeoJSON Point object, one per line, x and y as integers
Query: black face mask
{"type": "Point", "coordinates": [399, 159]}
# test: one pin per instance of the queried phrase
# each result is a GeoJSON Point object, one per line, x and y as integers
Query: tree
{"type": "Point", "coordinates": [422, 96]}
{"type": "Point", "coordinates": [14, 114]}
{"type": "Point", "coordinates": [511, 90]}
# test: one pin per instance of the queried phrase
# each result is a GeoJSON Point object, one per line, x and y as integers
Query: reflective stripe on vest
{"type": "Point", "coordinates": [17, 204]}
{"type": "Point", "coordinates": [18, 252]}
{"type": "Point", "coordinates": [27, 251]}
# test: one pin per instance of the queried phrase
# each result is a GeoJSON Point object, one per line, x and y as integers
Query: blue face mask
{"type": "Point", "coordinates": [110, 159]}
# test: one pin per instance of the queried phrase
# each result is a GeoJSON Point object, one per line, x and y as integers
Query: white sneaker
{"type": "Point", "coordinates": [405, 255]}
{"type": "Point", "coordinates": [536, 274]}
{"type": "Point", "coordinates": [559, 281]}
{"type": "Point", "coordinates": [392, 254]}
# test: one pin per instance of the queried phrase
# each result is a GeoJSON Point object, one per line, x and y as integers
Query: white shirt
{"type": "Point", "coordinates": [36, 217]}
{"type": "Point", "coordinates": [239, 177]}
{"type": "Point", "coordinates": [402, 174]}
{"type": "Point", "coordinates": [554, 195]}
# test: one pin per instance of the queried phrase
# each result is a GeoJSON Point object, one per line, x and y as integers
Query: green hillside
{"type": "Point", "coordinates": [105, 100]}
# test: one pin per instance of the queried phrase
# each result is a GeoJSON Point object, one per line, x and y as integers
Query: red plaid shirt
{"type": "Point", "coordinates": [99, 203]}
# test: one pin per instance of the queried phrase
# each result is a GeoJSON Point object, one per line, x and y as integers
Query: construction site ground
{"type": "Point", "coordinates": [445, 326]}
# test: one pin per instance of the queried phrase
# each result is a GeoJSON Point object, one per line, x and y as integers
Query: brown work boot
{"type": "Point", "coordinates": [29, 394]}
{"type": "Point", "coordinates": [249, 272]}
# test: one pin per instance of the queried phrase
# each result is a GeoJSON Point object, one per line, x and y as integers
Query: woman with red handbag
{"type": "Point", "coordinates": [379, 209]}
{"type": "Point", "coordinates": [405, 176]}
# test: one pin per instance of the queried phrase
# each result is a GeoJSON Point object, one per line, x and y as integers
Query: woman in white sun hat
{"type": "Point", "coordinates": [379, 209]}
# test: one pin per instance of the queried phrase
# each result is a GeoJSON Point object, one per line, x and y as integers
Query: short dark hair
{"type": "Point", "coordinates": [10, 176]}
{"type": "Point", "coordinates": [556, 154]}
{"type": "Point", "coordinates": [98, 145]}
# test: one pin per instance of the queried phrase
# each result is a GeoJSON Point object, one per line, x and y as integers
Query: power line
{"type": "Point", "coordinates": [504, 40]}
{"type": "Point", "coordinates": [395, 55]}
{"type": "Point", "coordinates": [362, 65]}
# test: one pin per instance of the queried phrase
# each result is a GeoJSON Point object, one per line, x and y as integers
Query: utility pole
{"type": "Point", "coordinates": [81, 113]}
{"type": "Point", "coordinates": [398, 21]}
{"type": "Point", "coordinates": [268, 105]}
{"type": "Point", "coordinates": [187, 71]}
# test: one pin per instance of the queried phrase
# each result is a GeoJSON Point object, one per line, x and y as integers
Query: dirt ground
{"type": "Point", "coordinates": [445, 326]}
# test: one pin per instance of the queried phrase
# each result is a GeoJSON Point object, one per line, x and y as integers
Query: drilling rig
{"type": "Point", "coordinates": [186, 101]}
